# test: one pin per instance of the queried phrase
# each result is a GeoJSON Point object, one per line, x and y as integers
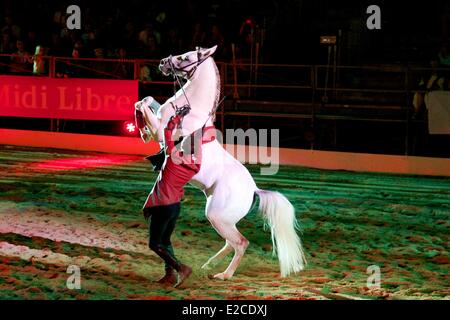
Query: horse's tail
{"type": "Point", "coordinates": [279, 214]}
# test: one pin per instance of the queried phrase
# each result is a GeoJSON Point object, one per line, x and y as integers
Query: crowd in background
{"type": "Point", "coordinates": [118, 34]}
{"type": "Point", "coordinates": [137, 29]}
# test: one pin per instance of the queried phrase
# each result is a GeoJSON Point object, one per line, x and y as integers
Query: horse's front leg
{"type": "Point", "coordinates": [218, 256]}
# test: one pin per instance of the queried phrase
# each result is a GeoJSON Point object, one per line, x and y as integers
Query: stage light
{"type": "Point", "coordinates": [130, 127]}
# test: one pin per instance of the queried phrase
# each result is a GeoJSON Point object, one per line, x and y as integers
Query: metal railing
{"type": "Point", "coordinates": [325, 92]}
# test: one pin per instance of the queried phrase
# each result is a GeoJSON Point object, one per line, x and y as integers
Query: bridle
{"type": "Point", "coordinates": [191, 72]}
{"type": "Point", "coordinates": [184, 110]}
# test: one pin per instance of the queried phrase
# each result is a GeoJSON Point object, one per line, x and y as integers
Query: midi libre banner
{"type": "Point", "coordinates": [80, 99]}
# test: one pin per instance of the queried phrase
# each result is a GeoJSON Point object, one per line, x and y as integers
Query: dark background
{"type": "Point", "coordinates": [411, 31]}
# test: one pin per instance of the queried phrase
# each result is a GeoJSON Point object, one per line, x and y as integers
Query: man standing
{"type": "Point", "coordinates": [162, 207]}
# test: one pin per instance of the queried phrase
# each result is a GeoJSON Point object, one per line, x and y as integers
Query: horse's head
{"type": "Point", "coordinates": [184, 65]}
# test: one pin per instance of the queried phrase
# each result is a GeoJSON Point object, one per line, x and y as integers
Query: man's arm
{"type": "Point", "coordinates": [140, 123]}
{"type": "Point", "coordinates": [146, 119]}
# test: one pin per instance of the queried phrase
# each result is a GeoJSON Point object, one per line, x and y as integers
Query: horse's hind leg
{"type": "Point", "coordinates": [239, 244]}
{"type": "Point", "coordinates": [227, 248]}
{"type": "Point", "coordinates": [235, 239]}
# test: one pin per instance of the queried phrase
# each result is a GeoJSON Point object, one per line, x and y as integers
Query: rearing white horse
{"type": "Point", "coordinates": [227, 184]}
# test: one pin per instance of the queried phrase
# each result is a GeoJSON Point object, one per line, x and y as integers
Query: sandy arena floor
{"type": "Point", "coordinates": [61, 208]}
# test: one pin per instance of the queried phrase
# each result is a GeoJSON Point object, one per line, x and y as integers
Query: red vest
{"type": "Point", "coordinates": [179, 168]}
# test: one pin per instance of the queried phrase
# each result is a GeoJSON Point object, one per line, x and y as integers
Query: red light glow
{"type": "Point", "coordinates": [83, 163]}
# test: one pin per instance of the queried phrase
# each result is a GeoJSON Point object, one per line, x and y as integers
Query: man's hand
{"type": "Point", "coordinates": [139, 118]}
{"type": "Point", "coordinates": [151, 103]}
{"type": "Point", "coordinates": [145, 135]}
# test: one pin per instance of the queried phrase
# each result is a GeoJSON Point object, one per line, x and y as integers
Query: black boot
{"type": "Point", "coordinates": [170, 278]}
{"type": "Point", "coordinates": [162, 225]}
{"type": "Point", "coordinates": [183, 271]}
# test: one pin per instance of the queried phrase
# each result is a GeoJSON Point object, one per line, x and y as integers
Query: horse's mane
{"type": "Point", "coordinates": [216, 101]}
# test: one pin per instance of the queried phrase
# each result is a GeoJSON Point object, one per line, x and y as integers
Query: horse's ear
{"type": "Point", "coordinates": [213, 50]}
{"type": "Point", "coordinates": [207, 52]}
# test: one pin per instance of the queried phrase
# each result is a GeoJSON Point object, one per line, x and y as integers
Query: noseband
{"type": "Point", "coordinates": [189, 73]}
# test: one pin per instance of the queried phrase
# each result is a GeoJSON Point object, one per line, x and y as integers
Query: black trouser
{"type": "Point", "coordinates": [162, 224]}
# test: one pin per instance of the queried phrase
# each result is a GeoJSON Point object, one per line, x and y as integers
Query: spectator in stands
{"type": "Point", "coordinates": [149, 43]}
{"type": "Point", "coordinates": [246, 37]}
{"type": "Point", "coordinates": [216, 38]}
{"type": "Point", "coordinates": [144, 73]}
{"type": "Point", "coordinates": [57, 49]}
{"type": "Point", "coordinates": [434, 80]}
{"type": "Point", "coordinates": [198, 37]}
{"type": "Point", "coordinates": [20, 59]}
{"type": "Point", "coordinates": [76, 53]}
{"type": "Point", "coordinates": [123, 69]}
{"type": "Point", "coordinates": [39, 62]}
{"type": "Point", "coordinates": [6, 46]}
{"type": "Point", "coordinates": [65, 33]}
{"type": "Point", "coordinates": [130, 37]}
{"type": "Point", "coordinates": [79, 46]}
{"type": "Point", "coordinates": [100, 68]}
{"type": "Point", "coordinates": [130, 31]}
{"type": "Point", "coordinates": [172, 43]}
{"type": "Point", "coordinates": [12, 28]}
{"type": "Point", "coordinates": [152, 51]}
{"type": "Point", "coordinates": [70, 68]}
{"type": "Point", "coordinates": [444, 56]}
{"type": "Point", "coordinates": [88, 37]}
{"type": "Point", "coordinates": [149, 33]}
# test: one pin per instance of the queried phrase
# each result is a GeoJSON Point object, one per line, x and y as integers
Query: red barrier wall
{"type": "Point", "coordinates": [74, 141]}
{"type": "Point", "coordinates": [81, 99]}
{"type": "Point", "coordinates": [308, 158]}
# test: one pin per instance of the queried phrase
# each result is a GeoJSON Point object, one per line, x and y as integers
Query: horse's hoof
{"type": "Point", "coordinates": [222, 276]}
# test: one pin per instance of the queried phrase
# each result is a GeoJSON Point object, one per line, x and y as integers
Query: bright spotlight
{"type": "Point", "coordinates": [130, 127]}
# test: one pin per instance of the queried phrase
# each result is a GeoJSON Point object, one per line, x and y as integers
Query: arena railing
{"type": "Point", "coordinates": [315, 92]}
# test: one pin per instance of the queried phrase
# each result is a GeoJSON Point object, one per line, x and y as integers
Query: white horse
{"type": "Point", "coordinates": [227, 184]}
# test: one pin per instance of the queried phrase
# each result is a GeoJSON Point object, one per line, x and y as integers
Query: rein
{"type": "Point", "coordinates": [184, 110]}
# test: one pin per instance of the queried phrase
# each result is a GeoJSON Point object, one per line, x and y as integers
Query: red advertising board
{"type": "Point", "coordinates": [81, 99]}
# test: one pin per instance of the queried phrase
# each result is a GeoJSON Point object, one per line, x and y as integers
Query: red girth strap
{"type": "Point", "coordinates": [208, 134]}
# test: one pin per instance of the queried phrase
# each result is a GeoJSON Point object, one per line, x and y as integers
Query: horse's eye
{"type": "Point", "coordinates": [179, 58]}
